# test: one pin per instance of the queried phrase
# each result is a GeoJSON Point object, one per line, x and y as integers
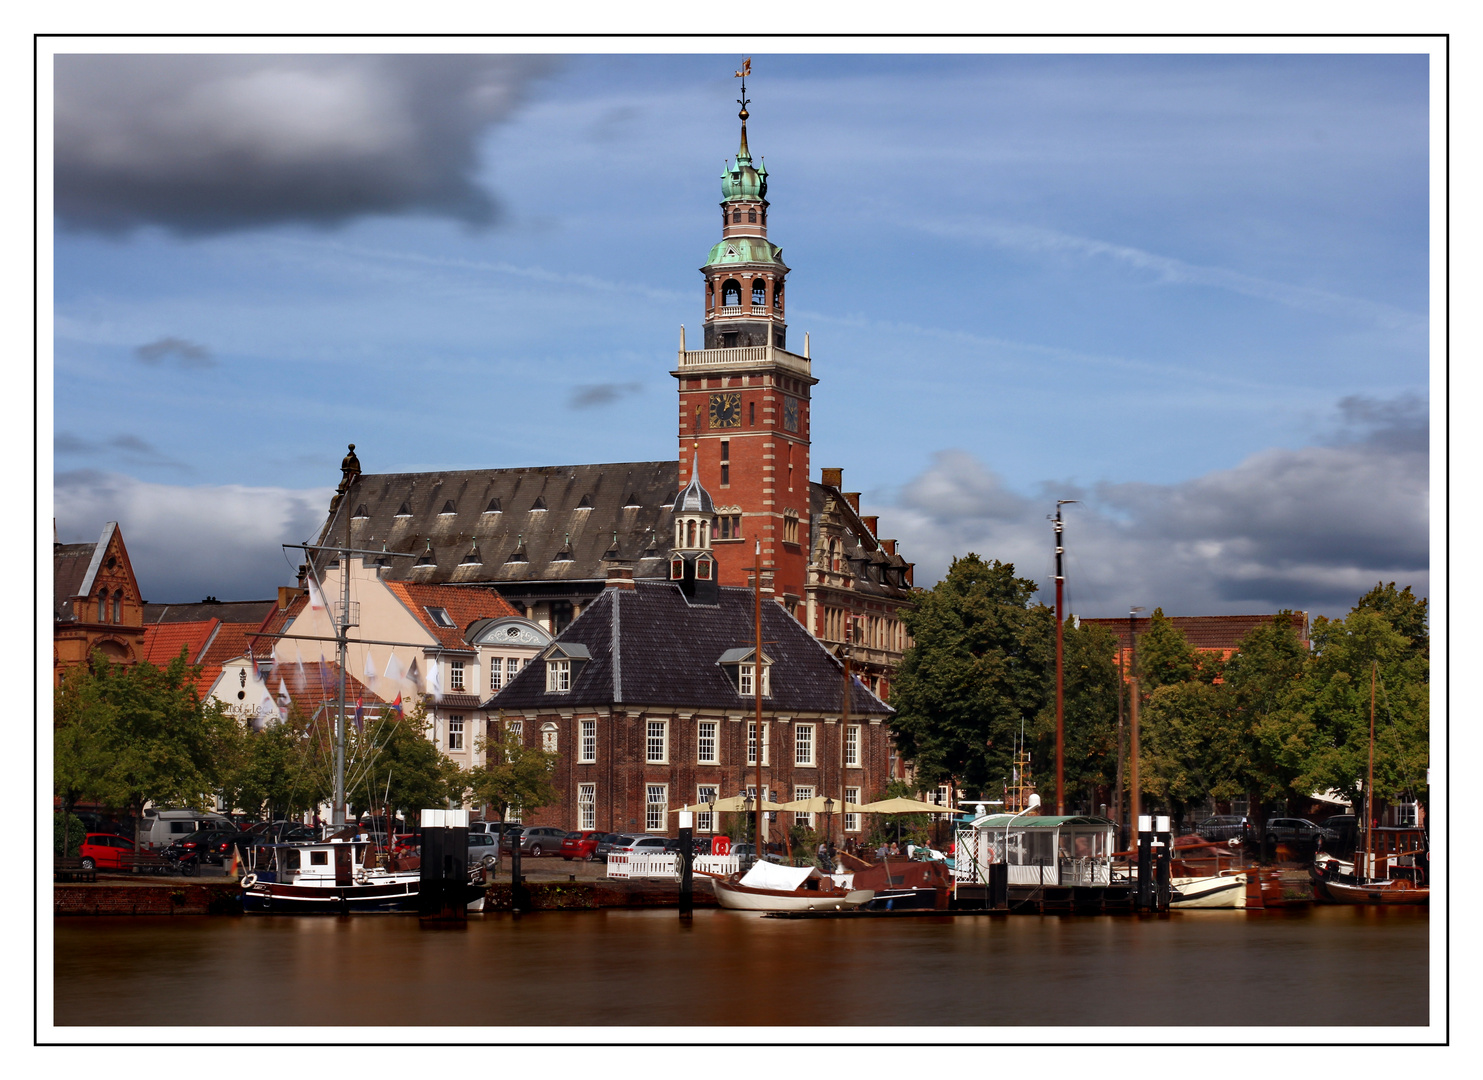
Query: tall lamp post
{"type": "Point", "coordinates": [1135, 794]}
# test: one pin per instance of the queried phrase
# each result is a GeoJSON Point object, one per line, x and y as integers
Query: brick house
{"type": "Point", "coordinates": [648, 700]}
{"type": "Point", "coordinates": [1214, 634]}
{"type": "Point", "coordinates": [95, 603]}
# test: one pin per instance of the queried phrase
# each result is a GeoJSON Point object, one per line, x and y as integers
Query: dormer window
{"type": "Point", "coordinates": [740, 667]}
{"type": "Point", "coordinates": [677, 569]}
{"type": "Point", "coordinates": [439, 616]}
{"type": "Point", "coordinates": [448, 509]}
{"type": "Point", "coordinates": [704, 568]}
{"type": "Point", "coordinates": [564, 661]}
{"type": "Point", "coordinates": [558, 676]}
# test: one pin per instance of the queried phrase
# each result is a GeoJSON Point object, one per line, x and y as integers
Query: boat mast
{"type": "Point", "coordinates": [1370, 782]}
{"type": "Point", "coordinates": [1060, 665]}
{"type": "Point", "coordinates": [1135, 795]}
{"type": "Point", "coordinates": [757, 683]}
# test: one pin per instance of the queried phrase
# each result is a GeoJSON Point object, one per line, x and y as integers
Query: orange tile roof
{"type": "Point", "coordinates": [229, 643]}
{"type": "Point", "coordinates": [276, 622]}
{"type": "Point", "coordinates": [465, 605]}
{"type": "Point", "coordinates": [1208, 633]}
{"type": "Point", "coordinates": [163, 641]}
{"type": "Point", "coordinates": [318, 687]}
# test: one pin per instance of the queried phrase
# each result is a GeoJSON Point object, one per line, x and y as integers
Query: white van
{"type": "Point", "coordinates": [161, 828]}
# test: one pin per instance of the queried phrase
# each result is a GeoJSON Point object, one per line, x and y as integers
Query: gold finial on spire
{"type": "Point", "coordinates": [744, 101]}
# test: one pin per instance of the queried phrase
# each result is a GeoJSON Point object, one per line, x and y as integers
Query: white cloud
{"type": "Point", "coordinates": [189, 542]}
{"type": "Point", "coordinates": [1312, 528]}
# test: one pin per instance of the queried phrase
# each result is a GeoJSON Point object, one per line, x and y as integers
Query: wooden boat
{"type": "Point", "coordinates": [335, 877]}
{"type": "Point", "coordinates": [1226, 890]}
{"type": "Point", "coordinates": [1390, 891]}
{"type": "Point", "coordinates": [770, 887]}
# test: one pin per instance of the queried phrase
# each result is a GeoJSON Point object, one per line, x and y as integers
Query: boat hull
{"type": "Point", "coordinates": [741, 898]}
{"type": "Point", "coordinates": [387, 897]}
{"type": "Point", "coordinates": [1376, 892]}
{"type": "Point", "coordinates": [1217, 891]}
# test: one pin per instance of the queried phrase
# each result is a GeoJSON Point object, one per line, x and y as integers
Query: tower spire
{"type": "Point", "coordinates": [746, 69]}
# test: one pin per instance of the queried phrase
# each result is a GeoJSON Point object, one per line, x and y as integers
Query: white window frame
{"type": "Point", "coordinates": [455, 733]}
{"type": "Point", "coordinates": [852, 821]}
{"type": "Point", "coordinates": [707, 734]}
{"type": "Point", "coordinates": [704, 793]}
{"type": "Point", "coordinates": [752, 743]}
{"type": "Point", "coordinates": [744, 680]}
{"type": "Point", "coordinates": [496, 674]}
{"type": "Point", "coordinates": [803, 817]}
{"type": "Point", "coordinates": [455, 674]}
{"type": "Point", "coordinates": [558, 676]}
{"type": "Point", "coordinates": [656, 731]}
{"type": "Point", "coordinates": [586, 806]}
{"type": "Point", "coordinates": [587, 746]}
{"type": "Point", "coordinates": [656, 807]}
{"type": "Point", "coordinates": [512, 665]}
{"type": "Point", "coordinates": [852, 746]}
{"type": "Point", "coordinates": [804, 745]}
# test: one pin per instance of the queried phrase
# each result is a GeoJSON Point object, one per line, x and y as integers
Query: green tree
{"type": "Point", "coordinates": [160, 743]}
{"type": "Point", "coordinates": [81, 731]}
{"type": "Point", "coordinates": [403, 768]}
{"type": "Point", "coordinates": [1407, 615]}
{"type": "Point", "coordinates": [515, 776]}
{"type": "Point", "coordinates": [277, 772]}
{"type": "Point", "coordinates": [1166, 658]}
{"type": "Point", "coordinates": [1276, 737]}
{"type": "Point", "coordinates": [1189, 746]}
{"type": "Point", "coordinates": [982, 669]}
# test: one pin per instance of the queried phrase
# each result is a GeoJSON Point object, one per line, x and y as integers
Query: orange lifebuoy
{"type": "Point", "coordinates": [720, 845]}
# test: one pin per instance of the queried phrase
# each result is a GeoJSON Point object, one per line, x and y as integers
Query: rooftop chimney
{"type": "Point", "coordinates": [833, 477]}
{"type": "Point", "coordinates": [620, 574]}
{"type": "Point", "coordinates": [853, 498]}
{"type": "Point", "coordinates": [890, 546]}
{"type": "Point", "coordinates": [870, 523]}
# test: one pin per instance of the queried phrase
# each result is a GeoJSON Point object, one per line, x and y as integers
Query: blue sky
{"type": "Point", "coordinates": [1190, 290]}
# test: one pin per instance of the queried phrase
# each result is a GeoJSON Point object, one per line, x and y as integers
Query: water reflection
{"type": "Point", "coordinates": [730, 968]}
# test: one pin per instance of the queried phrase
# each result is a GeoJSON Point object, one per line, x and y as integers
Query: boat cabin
{"type": "Point", "coordinates": [1393, 852]}
{"type": "Point", "coordinates": [1053, 850]}
{"type": "Point", "coordinates": [334, 862]}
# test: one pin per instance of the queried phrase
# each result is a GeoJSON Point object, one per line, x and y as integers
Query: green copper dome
{"type": "Point", "coordinates": [745, 249]}
{"type": "Point", "coordinates": [741, 181]}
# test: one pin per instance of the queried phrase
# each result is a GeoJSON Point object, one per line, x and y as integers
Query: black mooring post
{"type": "Point", "coordinates": [1145, 863]}
{"type": "Point", "coordinates": [517, 886]}
{"type": "Point", "coordinates": [455, 865]}
{"type": "Point", "coordinates": [1165, 853]}
{"type": "Point", "coordinates": [430, 868]}
{"type": "Point", "coordinates": [687, 862]}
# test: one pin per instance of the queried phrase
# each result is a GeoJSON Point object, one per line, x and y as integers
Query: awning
{"type": "Point", "coordinates": [816, 806]}
{"type": "Point", "coordinates": [732, 804]}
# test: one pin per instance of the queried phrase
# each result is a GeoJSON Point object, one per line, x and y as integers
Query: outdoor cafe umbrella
{"type": "Point", "coordinates": [901, 805]}
{"type": "Point", "coordinates": [816, 806]}
{"type": "Point", "coordinates": [733, 804]}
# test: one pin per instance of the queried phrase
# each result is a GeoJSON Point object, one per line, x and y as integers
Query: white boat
{"type": "Point", "coordinates": [770, 887]}
{"type": "Point", "coordinates": [1216, 891]}
{"type": "Point", "coordinates": [331, 877]}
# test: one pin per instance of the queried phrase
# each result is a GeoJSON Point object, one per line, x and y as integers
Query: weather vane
{"type": "Point", "coordinates": [744, 101]}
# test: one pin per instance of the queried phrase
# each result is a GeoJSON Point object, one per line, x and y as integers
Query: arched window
{"type": "Point", "coordinates": [736, 216]}
{"type": "Point", "coordinates": [705, 534]}
{"type": "Point", "coordinates": [730, 293]}
{"type": "Point", "coordinates": [710, 295]}
{"type": "Point", "coordinates": [752, 216]}
{"type": "Point", "coordinates": [777, 296]}
{"type": "Point", "coordinates": [690, 533]}
{"type": "Point", "coordinates": [834, 555]}
{"type": "Point", "coordinates": [759, 292]}
{"type": "Point", "coordinates": [118, 605]}
{"type": "Point", "coordinates": [102, 605]}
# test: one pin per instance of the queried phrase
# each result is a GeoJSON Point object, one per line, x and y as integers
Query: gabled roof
{"type": "Point", "coordinates": [163, 642]}
{"type": "Point", "coordinates": [70, 564]}
{"type": "Point", "coordinates": [1205, 632]}
{"type": "Point", "coordinates": [228, 611]}
{"type": "Point", "coordinates": [496, 510]}
{"type": "Point", "coordinates": [861, 551]}
{"type": "Point", "coordinates": [465, 606]}
{"type": "Point", "coordinates": [650, 648]}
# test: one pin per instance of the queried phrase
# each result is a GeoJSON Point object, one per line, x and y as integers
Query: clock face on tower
{"type": "Point", "coordinates": [790, 414]}
{"type": "Point", "coordinates": [725, 410]}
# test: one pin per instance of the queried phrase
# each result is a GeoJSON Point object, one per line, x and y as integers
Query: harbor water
{"type": "Point", "coordinates": [625, 967]}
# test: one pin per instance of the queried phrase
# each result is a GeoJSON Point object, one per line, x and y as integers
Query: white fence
{"type": "Point", "coordinates": [667, 866]}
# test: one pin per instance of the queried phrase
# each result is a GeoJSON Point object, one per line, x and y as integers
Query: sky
{"type": "Point", "coordinates": [1189, 291]}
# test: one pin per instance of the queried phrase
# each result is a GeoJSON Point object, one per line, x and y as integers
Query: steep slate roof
{"type": "Point", "coordinates": [651, 648]}
{"type": "Point", "coordinates": [464, 605]}
{"type": "Point", "coordinates": [453, 510]}
{"type": "Point", "coordinates": [1208, 633]}
{"type": "Point", "coordinates": [228, 611]}
{"type": "Point", "coordinates": [163, 642]}
{"type": "Point", "coordinates": [866, 557]}
{"type": "Point", "coordinates": [69, 566]}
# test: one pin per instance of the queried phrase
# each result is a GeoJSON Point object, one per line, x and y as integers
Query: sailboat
{"type": "Point", "coordinates": [1368, 879]}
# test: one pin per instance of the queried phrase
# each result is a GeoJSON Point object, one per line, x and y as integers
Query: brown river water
{"type": "Point", "coordinates": [1344, 966]}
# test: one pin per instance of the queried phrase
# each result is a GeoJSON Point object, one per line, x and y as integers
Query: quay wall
{"type": "Point", "coordinates": [224, 897]}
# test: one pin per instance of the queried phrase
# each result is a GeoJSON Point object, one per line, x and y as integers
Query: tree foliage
{"type": "Point", "coordinates": [515, 776]}
{"type": "Point", "coordinates": [982, 669]}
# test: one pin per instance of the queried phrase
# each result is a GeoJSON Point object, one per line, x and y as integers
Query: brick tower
{"type": "Point", "coordinates": [744, 399]}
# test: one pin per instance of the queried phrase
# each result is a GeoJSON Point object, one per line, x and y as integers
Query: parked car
{"type": "Point", "coordinates": [104, 850]}
{"type": "Point", "coordinates": [483, 848]}
{"type": "Point", "coordinates": [207, 845]}
{"type": "Point", "coordinates": [748, 853]}
{"type": "Point", "coordinates": [536, 840]}
{"type": "Point", "coordinates": [1297, 831]}
{"type": "Point", "coordinates": [610, 842]}
{"type": "Point", "coordinates": [1345, 827]}
{"type": "Point", "coordinates": [647, 845]}
{"type": "Point", "coordinates": [581, 844]}
{"type": "Point", "coordinates": [1220, 827]}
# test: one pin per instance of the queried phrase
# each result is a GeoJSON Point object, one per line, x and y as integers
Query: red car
{"type": "Point", "coordinates": [104, 850]}
{"type": "Point", "coordinates": [581, 845]}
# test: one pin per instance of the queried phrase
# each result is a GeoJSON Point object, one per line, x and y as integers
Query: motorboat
{"type": "Point", "coordinates": [1226, 890]}
{"type": "Point", "coordinates": [337, 876]}
{"type": "Point", "coordinates": [770, 887]}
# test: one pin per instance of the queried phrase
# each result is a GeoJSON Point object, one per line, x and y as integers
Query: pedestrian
{"type": "Point", "coordinates": [882, 852]}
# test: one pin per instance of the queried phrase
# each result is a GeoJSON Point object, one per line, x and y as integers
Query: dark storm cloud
{"type": "Point", "coordinates": [202, 144]}
{"type": "Point", "coordinates": [125, 447]}
{"type": "Point", "coordinates": [594, 395]}
{"type": "Point", "coordinates": [188, 354]}
{"type": "Point", "coordinates": [1310, 528]}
